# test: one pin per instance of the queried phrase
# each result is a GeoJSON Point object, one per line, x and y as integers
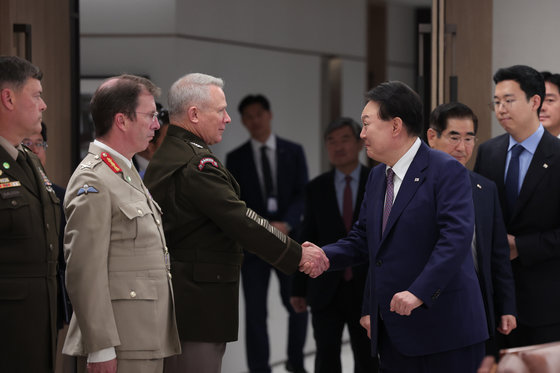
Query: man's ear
{"type": "Point", "coordinates": [431, 135]}
{"type": "Point", "coordinates": [7, 97]}
{"type": "Point", "coordinates": [535, 102]}
{"type": "Point", "coordinates": [193, 114]}
{"type": "Point", "coordinates": [120, 121]}
{"type": "Point", "coordinates": [397, 125]}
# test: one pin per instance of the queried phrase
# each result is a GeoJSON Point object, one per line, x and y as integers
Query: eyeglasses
{"type": "Point", "coordinates": [507, 103]}
{"type": "Point", "coordinates": [154, 115]}
{"type": "Point", "coordinates": [454, 140]}
{"type": "Point", "coordinates": [39, 144]}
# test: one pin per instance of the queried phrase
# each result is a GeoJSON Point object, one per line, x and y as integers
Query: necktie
{"type": "Point", "coordinates": [389, 194]}
{"type": "Point", "coordinates": [512, 178]}
{"type": "Point", "coordinates": [347, 217]}
{"type": "Point", "coordinates": [267, 174]}
{"type": "Point", "coordinates": [22, 162]}
{"type": "Point", "coordinates": [347, 212]}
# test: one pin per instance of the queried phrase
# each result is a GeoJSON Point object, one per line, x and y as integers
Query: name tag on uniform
{"type": "Point", "coordinates": [272, 205]}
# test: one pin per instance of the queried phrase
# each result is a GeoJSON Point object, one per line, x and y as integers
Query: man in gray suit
{"type": "Point", "coordinates": [118, 272]}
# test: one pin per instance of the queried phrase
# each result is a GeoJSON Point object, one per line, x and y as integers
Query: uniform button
{"type": "Point", "coordinates": [378, 263]}
{"type": "Point", "coordinates": [51, 247]}
{"type": "Point", "coordinates": [139, 212]}
{"type": "Point", "coordinates": [132, 294]}
{"type": "Point", "coordinates": [158, 222]}
{"type": "Point", "coordinates": [14, 202]}
{"type": "Point", "coordinates": [218, 277]}
{"type": "Point", "coordinates": [48, 226]}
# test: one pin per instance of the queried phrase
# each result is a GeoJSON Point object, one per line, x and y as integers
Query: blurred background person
{"type": "Point", "coordinates": [550, 110]}
{"type": "Point", "coordinates": [141, 159]}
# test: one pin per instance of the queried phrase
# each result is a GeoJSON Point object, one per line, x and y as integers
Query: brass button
{"type": "Point", "coordinates": [132, 294]}
{"type": "Point", "coordinates": [139, 212]}
{"type": "Point", "coordinates": [158, 222]}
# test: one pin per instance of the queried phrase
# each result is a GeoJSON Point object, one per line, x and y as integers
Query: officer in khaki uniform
{"type": "Point", "coordinates": [117, 263]}
{"type": "Point", "coordinates": [29, 224]}
{"type": "Point", "coordinates": [207, 225]}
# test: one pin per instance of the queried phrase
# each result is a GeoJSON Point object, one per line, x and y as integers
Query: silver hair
{"type": "Point", "coordinates": [191, 89]}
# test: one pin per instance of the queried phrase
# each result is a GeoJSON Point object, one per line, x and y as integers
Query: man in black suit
{"type": "Point", "coordinates": [272, 174]}
{"type": "Point", "coordinates": [525, 165]}
{"type": "Point", "coordinates": [332, 204]}
{"type": "Point", "coordinates": [453, 130]}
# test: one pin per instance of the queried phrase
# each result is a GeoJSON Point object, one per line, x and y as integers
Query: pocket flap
{"type": "Point", "coordinates": [135, 209]}
{"type": "Point", "coordinates": [212, 272]}
{"type": "Point", "coordinates": [136, 288]}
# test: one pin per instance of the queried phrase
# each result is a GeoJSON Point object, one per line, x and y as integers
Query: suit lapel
{"type": "Point", "coordinates": [536, 172]}
{"type": "Point", "coordinates": [478, 201]}
{"type": "Point", "coordinates": [412, 180]}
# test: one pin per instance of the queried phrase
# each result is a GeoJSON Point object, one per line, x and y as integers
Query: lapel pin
{"type": "Point", "coordinates": [545, 165]}
{"type": "Point", "coordinates": [6, 165]}
{"type": "Point", "coordinates": [128, 178]}
{"type": "Point", "coordinates": [479, 186]}
{"type": "Point", "coordinates": [416, 179]}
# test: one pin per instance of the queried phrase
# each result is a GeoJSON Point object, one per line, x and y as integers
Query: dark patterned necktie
{"type": "Point", "coordinates": [512, 178]}
{"type": "Point", "coordinates": [389, 194]}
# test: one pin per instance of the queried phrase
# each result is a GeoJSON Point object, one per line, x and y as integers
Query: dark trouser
{"type": "Point", "coordinates": [525, 335]}
{"type": "Point", "coordinates": [256, 275]}
{"type": "Point", "coordinates": [461, 360]}
{"type": "Point", "coordinates": [328, 325]}
{"type": "Point", "coordinates": [197, 357]}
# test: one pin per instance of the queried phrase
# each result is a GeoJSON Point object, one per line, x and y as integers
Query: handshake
{"type": "Point", "coordinates": [313, 260]}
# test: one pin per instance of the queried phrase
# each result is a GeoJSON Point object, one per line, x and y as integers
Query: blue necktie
{"type": "Point", "coordinates": [512, 178]}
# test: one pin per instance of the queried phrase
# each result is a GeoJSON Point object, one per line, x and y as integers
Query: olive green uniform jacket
{"type": "Point", "coordinates": [116, 272]}
{"type": "Point", "coordinates": [207, 226]}
{"type": "Point", "coordinates": [29, 226]}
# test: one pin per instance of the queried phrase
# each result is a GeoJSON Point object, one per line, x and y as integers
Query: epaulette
{"type": "Point", "coordinates": [90, 164]}
{"type": "Point", "coordinates": [110, 162]}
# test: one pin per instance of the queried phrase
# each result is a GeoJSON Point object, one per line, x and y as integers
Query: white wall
{"type": "Point", "coordinates": [526, 33]}
{"type": "Point", "coordinates": [274, 48]}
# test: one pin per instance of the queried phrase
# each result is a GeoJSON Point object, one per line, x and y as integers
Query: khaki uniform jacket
{"type": "Point", "coordinates": [116, 271]}
{"type": "Point", "coordinates": [206, 226]}
{"type": "Point", "coordinates": [29, 226]}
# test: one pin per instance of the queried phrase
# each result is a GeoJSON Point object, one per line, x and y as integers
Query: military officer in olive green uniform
{"type": "Point", "coordinates": [29, 222]}
{"type": "Point", "coordinates": [117, 271]}
{"type": "Point", "coordinates": [207, 225]}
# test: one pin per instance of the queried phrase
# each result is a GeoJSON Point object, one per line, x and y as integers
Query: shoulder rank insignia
{"type": "Point", "coordinates": [197, 145]}
{"type": "Point", "coordinates": [86, 189]}
{"type": "Point", "coordinates": [110, 162]}
{"type": "Point", "coordinates": [203, 162]}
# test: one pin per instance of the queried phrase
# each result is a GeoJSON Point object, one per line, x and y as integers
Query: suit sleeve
{"type": "Point", "coordinates": [455, 222]}
{"type": "Point", "coordinates": [296, 204]}
{"type": "Point", "coordinates": [211, 192]}
{"type": "Point", "coordinates": [308, 233]}
{"type": "Point", "coordinates": [502, 277]}
{"type": "Point", "coordinates": [86, 245]}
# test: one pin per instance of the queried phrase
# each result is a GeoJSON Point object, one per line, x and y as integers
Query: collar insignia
{"type": "Point", "coordinates": [110, 162]}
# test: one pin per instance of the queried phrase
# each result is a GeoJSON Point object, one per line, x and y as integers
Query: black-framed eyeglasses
{"type": "Point", "coordinates": [38, 144]}
{"type": "Point", "coordinates": [154, 115]}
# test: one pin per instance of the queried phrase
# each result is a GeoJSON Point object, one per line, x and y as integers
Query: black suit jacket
{"type": "Point", "coordinates": [535, 222]}
{"type": "Point", "coordinates": [322, 225]}
{"type": "Point", "coordinates": [492, 251]}
{"type": "Point", "coordinates": [291, 179]}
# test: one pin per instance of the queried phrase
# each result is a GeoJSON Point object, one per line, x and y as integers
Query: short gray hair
{"type": "Point", "coordinates": [191, 89]}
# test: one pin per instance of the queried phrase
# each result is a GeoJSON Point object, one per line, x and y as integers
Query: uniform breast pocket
{"type": "Point", "coordinates": [134, 307]}
{"type": "Point", "coordinates": [134, 217]}
{"type": "Point", "coordinates": [15, 214]}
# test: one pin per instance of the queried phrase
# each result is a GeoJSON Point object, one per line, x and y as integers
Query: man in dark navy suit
{"type": "Point", "coordinates": [272, 174]}
{"type": "Point", "coordinates": [453, 130]}
{"type": "Point", "coordinates": [422, 304]}
{"type": "Point", "coordinates": [525, 165]}
{"type": "Point", "coordinates": [332, 204]}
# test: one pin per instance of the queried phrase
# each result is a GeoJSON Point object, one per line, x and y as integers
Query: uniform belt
{"type": "Point", "coordinates": [32, 269]}
{"type": "Point", "coordinates": [153, 261]}
{"type": "Point", "coordinates": [222, 257]}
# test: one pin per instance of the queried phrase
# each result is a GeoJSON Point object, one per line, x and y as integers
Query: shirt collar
{"type": "Point", "coordinates": [12, 150]}
{"type": "Point", "coordinates": [404, 163]}
{"type": "Point", "coordinates": [270, 143]}
{"type": "Point", "coordinates": [113, 152]}
{"type": "Point", "coordinates": [530, 143]}
{"type": "Point", "coordinates": [341, 177]}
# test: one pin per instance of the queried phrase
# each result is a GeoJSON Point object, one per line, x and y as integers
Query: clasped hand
{"type": "Point", "coordinates": [313, 260]}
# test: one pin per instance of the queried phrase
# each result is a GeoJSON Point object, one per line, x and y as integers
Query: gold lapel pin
{"type": "Point", "coordinates": [416, 179]}
{"type": "Point", "coordinates": [545, 165]}
{"type": "Point", "coordinates": [479, 186]}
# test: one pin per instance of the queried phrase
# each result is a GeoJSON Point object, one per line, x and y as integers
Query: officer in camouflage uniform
{"type": "Point", "coordinates": [206, 225]}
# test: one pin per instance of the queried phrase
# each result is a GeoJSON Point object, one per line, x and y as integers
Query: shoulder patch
{"type": "Point", "coordinates": [110, 162]}
{"type": "Point", "coordinates": [86, 189]}
{"type": "Point", "coordinates": [203, 162]}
